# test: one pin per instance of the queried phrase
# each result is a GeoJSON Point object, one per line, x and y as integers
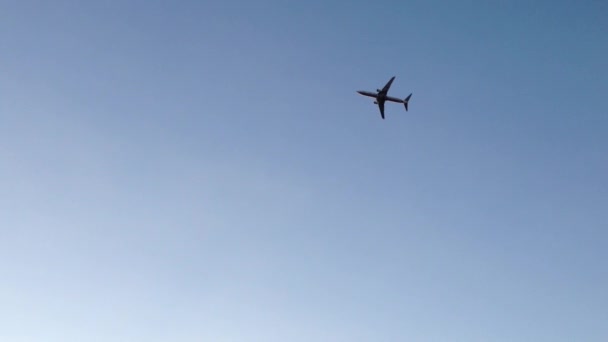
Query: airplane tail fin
{"type": "Point", "coordinates": [405, 102]}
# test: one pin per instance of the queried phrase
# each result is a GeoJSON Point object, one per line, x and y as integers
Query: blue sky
{"type": "Point", "coordinates": [199, 171]}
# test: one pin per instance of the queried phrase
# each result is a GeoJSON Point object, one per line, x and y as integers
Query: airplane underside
{"type": "Point", "coordinates": [381, 97]}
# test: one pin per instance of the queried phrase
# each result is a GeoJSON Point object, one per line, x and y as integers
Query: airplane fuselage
{"type": "Point", "coordinates": [367, 93]}
{"type": "Point", "coordinates": [380, 96]}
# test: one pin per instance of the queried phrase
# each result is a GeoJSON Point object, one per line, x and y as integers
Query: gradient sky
{"type": "Point", "coordinates": [205, 171]}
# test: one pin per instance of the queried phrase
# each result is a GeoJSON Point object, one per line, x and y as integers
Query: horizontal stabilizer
{"type": "Point", "coordinates": [407, 99]}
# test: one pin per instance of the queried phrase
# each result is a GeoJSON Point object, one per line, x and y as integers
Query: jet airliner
{"type": "Point", "coordinates": [381, 96]}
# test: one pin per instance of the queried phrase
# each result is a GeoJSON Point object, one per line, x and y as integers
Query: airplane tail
{"type": "Point", "coordinates": [407, 99]}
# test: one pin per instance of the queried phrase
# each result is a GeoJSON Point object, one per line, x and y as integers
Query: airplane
{"type": "Point", "coordinates": [381, 96]}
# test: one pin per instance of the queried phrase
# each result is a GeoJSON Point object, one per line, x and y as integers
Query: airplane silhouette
{"type": "Point", "coordinates": [381, 96]}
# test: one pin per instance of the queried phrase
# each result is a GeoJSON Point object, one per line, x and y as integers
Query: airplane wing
{"type": "Point", "coordinates": [381, 106]}
{"type": "Point", "coordinates": [388, 85]}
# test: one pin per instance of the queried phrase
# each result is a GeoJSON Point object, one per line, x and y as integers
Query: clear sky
{"type": "Point", "coordinates": [206, 171]}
